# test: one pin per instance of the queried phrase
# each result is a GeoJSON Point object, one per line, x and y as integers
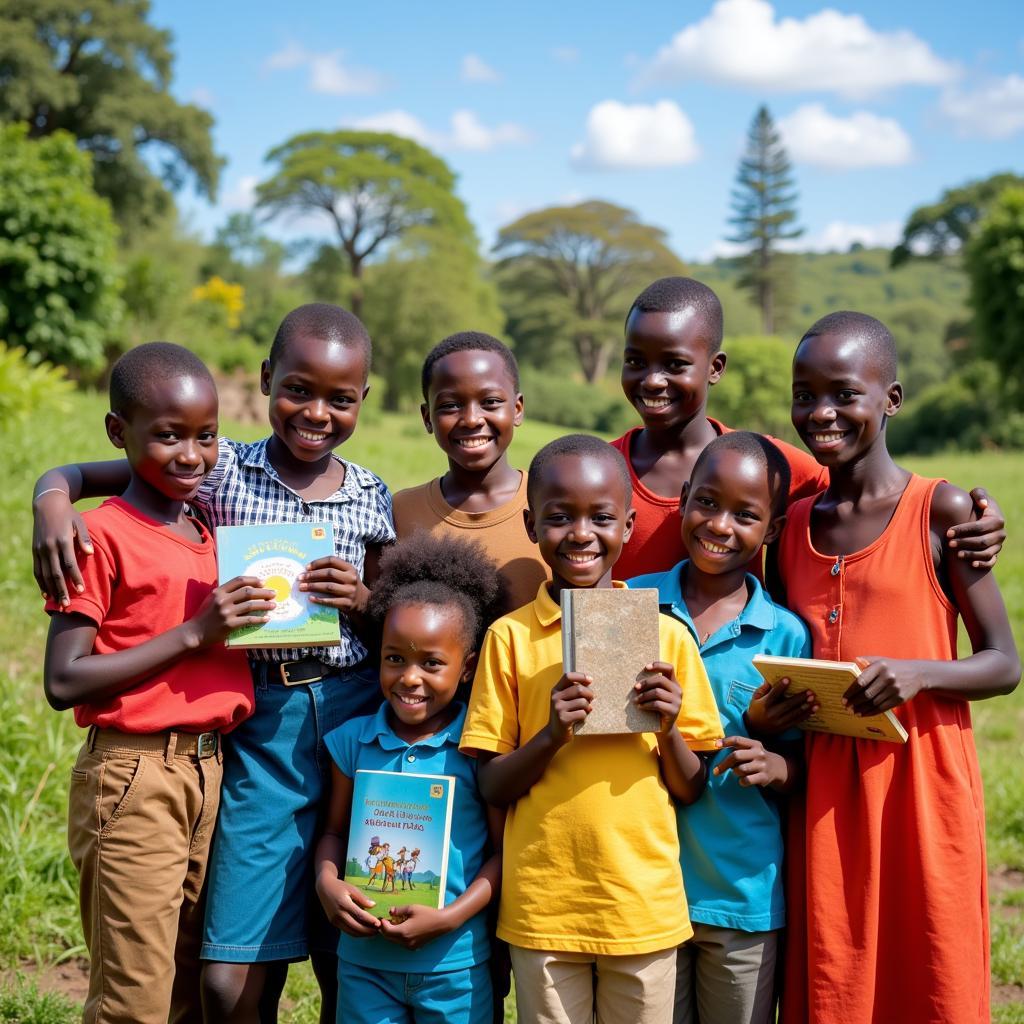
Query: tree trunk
{"type": "Point", "coordinates": [357, 287]}
{"type": "Point", "coordinates": [593, 356]}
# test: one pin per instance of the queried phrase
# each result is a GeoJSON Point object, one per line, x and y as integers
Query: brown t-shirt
{"type": "Point", "coordinates": [500, 531]}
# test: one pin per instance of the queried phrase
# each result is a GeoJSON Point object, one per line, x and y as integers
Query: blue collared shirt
{"type": "Point", "coordinates": [371, 743]}
{"type": "Point", "coordinates": [244, 489]}
{"type": "Point", "coordinates": [730, 840]}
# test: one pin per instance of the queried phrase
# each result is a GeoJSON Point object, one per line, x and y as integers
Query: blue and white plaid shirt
{"type": "Point", "coordinates": [244, 489]}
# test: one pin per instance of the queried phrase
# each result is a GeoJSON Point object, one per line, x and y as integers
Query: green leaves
{"type": "Point", "coordinates": [59, 292]}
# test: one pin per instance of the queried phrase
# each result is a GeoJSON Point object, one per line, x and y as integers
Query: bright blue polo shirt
{"type": "Point", "coordinates": [370, 743]}
{"type": "Point", "coordinates": [730, 840]}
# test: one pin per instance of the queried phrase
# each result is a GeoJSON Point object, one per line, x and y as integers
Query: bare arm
{"type": "Point", "coordinates": [994, 667]}
{"type": "Point", "coordinates": [57, 527]}
{"type": "Point", "coordinates": [73, 674]}
{"type": "Point", "coordinates": [978, 536]}
{"type": "Point", "coordinates": [504, 778]}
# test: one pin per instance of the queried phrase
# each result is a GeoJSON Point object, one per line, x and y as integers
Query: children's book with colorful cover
{"type": "Point", "coordinates": [277, 553]}
{"type": "Point", "coordinates": [398, 838]}
{"type": "Point", "coordinates": [830, 680]}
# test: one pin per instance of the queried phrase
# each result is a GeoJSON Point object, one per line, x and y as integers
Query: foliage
{"type": "Point", "coordinates": [995, 264]}
{"type": "Point", "coordinates": [963, 412]}
{"type": "Point", "coordinates": [23, 1003]}
{"type": "Point", "coordinates": [99, 70]}
{"type": "Point", "coordinates": [227, 298]}
{"type": "Point", "coordinates": [430, 286]}
{"type": "Point", "coordinates": [594, 408]}
{"type": "Point", "coordinates": [573, 272]}
{"type": "Point", "coordinates": [373, 187]}
{"type": "Point", "coordinates": [58, 289]}
{"type": "Point", "coordinates": [763, 215]}
{"type": "Point", "coordinates": [754, 392]}
{"type": "Point", "coordinates": [26, 387]}
{"type": "Point", "coordinates": [943, 228]}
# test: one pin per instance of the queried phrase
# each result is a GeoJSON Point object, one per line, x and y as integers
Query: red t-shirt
{"type": "Point", "coordinates": [142, 580]}
{"type": "Point", "coordinates": [656, 544]}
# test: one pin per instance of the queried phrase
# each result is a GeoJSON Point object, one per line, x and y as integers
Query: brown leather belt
{"type": "Point", "coordinates": [170, 743]}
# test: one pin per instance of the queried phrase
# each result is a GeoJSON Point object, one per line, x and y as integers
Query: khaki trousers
{"type": "Point", "coordinates": [725, 976]}
{"type": "Point", "coordinates": [574, 988]}
{"type": "Point", "coordinates": [139, 830]}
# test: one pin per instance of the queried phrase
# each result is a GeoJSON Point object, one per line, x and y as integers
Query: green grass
{"type": "Point", "coordinates": [38, 904]}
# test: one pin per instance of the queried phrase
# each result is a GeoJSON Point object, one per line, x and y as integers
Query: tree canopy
{"type": "Point", "coordinates": [995, 264]}
{"type": "Point", "coordinates": [59, 291]}
{"type": "Point", "coordinates": [942, 228]}
{"type": "Point", "coordinates": [764, 214]}
{"type": "Point", "coordinates": [99, 70]}
{"type": "Point", "coordinates": [579, 268]}
{"type": "Point", "coordinates": [372, 187]}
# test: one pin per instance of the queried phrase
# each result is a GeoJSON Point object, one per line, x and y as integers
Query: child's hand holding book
{"type": "Point", "coordinates": [335, 583]}
{"type": "Point", "coordinates": [571, 701]}
{"type": "Point", "coordinates": [242, 601]}
{"type": "Point", "coordinates": [345, 905]}
{"type": "Point", "coordinates": [659, 691]}
{"type": "Point", "coordinates": [413, 926]}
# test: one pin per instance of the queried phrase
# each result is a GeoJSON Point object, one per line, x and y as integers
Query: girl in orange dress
{"type": "Point", "coordinates": [888, 912]}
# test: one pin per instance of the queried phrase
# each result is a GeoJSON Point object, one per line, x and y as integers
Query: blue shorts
{"type": "Point", "coordinates": [367, 995]}
{"type": "Point", "coordinates": [261, 903]}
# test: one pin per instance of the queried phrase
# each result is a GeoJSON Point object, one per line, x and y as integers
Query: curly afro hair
{"type": "Point", "coordinates": [424, 569]}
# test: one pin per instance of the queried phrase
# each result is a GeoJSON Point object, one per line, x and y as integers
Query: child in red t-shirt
{"type": "Point", "coordinates": [138, 654]}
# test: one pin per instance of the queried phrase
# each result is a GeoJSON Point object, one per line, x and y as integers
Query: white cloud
{"type": "Point", "coordinates": [476, 69]}
{"type": "Point", "coordinates": [566, 54]}
{"type": "Point", "coordinates": [814, 136]}
{"type": "Point", "coordinates": [621, 136]}
{"type": "Point", "coordinates": [327, 72]}
{"type": "Point", "coordinates": [242, 195]}
{"type": "Point", "coordinates": [466, 131]}
{"type": "Point", "coordinates": [741, 42]}
{"type": "Point", "coordinates": [994, 111]}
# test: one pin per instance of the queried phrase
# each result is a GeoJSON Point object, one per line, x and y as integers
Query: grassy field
{"type": "Point", "coordinates": [40, 941]}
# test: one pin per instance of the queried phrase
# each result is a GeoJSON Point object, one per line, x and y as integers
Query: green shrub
{"type": "Point", "coordinates": [25, 388]}
{"type": "Point", "coordinates": [567, 402]}
{"type": "Point", "coordinates": [23, 1003]}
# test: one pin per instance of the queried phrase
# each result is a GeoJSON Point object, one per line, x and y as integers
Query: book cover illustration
{"type": "Point", "coordinates": [398, 838]}
{"type": "Point", "coordinates": [277, 553]}
{"type": "Point", "coordinates": [830, 680]}
{"type": "Point", "coordinates": [611, 634]}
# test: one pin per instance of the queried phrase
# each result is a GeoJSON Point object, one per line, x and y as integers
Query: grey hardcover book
{"type": "Point", "coordinates": [611, 634]}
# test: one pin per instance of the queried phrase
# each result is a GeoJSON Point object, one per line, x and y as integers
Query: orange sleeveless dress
{"type": "Point", "coordinates": [886, 883]}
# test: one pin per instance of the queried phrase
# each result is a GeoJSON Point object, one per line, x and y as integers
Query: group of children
{"type": "Point", "coordinates": [636, 878]}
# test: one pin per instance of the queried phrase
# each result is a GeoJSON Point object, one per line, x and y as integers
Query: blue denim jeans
{"type": "Point", "coordinates": [261, 900]}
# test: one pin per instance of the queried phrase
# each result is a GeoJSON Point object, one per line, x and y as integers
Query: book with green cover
{"type": "Point", "coordinates": [276, 553]}
{"type": "Point", "coordinates": [398, 838]}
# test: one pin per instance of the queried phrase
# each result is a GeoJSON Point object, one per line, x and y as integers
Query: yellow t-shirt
{"type": "Point", "coordinates": [501, 531]}
{"type": "Point", "coordinates": [591, 854]}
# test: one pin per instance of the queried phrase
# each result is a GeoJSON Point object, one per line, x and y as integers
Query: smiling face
{"type": "Point", "coordinates": [424, 658]}
{"type": "Point", "coordinates": [840, 401]}
{"type": "Point", "coordinates": [579, 517]}
{"type": "Point", "coordinates": [316, 389]}
{"type": "Point", "coordinates": [472, 409]}
{"type": "Point", "coordinates": [667, 367]}
{"type": "Point", "coordinates": [171, 438]}
{"type": "Point", "coordinates": [727, 512]}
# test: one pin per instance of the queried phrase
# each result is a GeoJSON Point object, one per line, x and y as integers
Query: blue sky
{"type": "Point", "coordinates": [882, 105]}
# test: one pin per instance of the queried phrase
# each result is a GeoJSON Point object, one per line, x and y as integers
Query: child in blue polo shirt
{"type": "Point", "coordinates": [731, 839]}
{"type": "Point", "coordinates": [432, 601]}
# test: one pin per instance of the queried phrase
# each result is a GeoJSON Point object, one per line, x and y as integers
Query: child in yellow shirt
{"type": "Point", "coordinates": [592, 883]}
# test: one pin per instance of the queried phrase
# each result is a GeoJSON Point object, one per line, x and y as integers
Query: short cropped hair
{"type": "Point", "coordinates": [763, 452]}
{"type": "Point", "coordinates": [674, 294]}
{"type": "Point", "coordinates": [425, 569]}
{"type": "Point", "coordinates": [324, 322]}
{"type": "Point", "coordinates": [578, 446]}
{"type": "Point", "coordinates": [469, 341]}
{"type": "Point", "coordinates": [876, 336]}
{"type": "Point", "coordinates": [135, 374]}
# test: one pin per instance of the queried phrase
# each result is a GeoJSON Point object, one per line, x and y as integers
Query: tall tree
{"type": "Point", "coordinates": [59, 292]}
{"type": "Point", "coordinates": [580, 267]}
{"type": "Point", "coordinates": [944, 227]}
{"type": "Point", "coordinates": [99, 70]}
{"type": "Point", "coordinates": [763, 215]}
{"type": "Point", "coordinates": [373, 187]}
{"type": "Point", "coordinates": [995, 265]}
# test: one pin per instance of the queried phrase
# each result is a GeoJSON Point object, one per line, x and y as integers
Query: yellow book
{"type": "Point", "coordinates": [830, 680]}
